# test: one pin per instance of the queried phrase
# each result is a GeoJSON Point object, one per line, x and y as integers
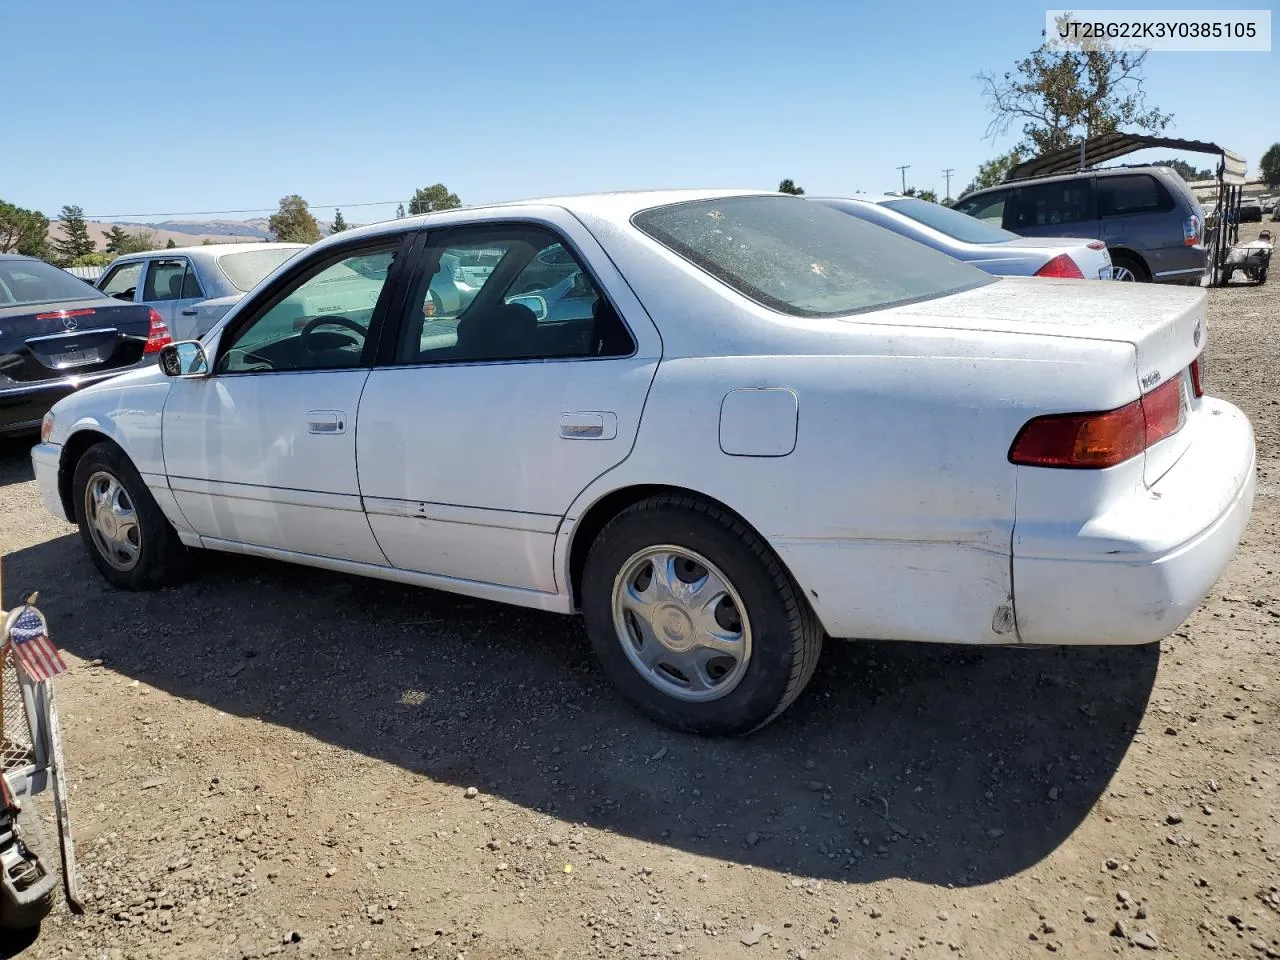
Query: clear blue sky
{"type": "Point", "coordinates": [148, 107]}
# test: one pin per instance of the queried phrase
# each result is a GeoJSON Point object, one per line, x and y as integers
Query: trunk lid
{"type": "Point", "coordinates": [1164, 324]}
{"type": "Point", "coordinates": [51, 341]}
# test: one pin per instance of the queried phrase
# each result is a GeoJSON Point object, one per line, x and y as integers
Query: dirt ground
{"type": "Point", "coordinates": [280, 761]}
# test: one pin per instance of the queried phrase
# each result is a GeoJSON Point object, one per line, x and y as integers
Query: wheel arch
{"type": "Point", "coordinates": [602, 510]}
{"type": "Point", "coordinates": [73, 448]}
{"type": "Point", "coordinates": [1131, 254]}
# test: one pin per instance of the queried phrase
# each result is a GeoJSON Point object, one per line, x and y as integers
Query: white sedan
{"type": "Point", "coordinates": [738, 424]}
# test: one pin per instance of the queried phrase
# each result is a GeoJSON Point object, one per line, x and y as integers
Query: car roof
{"type": "Point", "coordinates": [211, 249]}
{"type": "Point", "coordinates": [617, 206]}
{"type": "Point", "coordinates": [876, 198]}
{"type": "Point", "coordinates": [17, 256]}
{"type": "Point", "coordinates": [1099, 172]}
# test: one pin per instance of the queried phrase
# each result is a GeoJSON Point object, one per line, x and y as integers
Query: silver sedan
{"type": "Point", "coordinates": [985, 245]}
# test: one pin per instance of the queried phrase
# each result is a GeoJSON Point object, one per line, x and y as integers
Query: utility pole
{"type": "Point", "coordinates": [947, 173]}
{"type": "Point", "coordinates": [903, 170]}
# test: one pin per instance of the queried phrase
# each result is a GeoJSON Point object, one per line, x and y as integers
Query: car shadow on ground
{"type": "Point", "coordinates": [15, 460]}
{"type": "Point", "coordinates": [944, 765]}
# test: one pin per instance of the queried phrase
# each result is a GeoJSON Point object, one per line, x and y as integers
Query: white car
{"type": "Point", "coordinates": [752, 423]}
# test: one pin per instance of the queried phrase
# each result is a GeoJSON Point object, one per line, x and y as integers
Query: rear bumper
{"type": "Point", "coordinates": [1135, 574]}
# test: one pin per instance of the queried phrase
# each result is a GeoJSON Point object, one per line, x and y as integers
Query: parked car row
{"type": "Point", "coordinates": [722, 426]}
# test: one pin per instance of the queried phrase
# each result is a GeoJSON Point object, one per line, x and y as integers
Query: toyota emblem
{"type": "Point", "coordinates": [1195, 333]}
{"type": "Point", "coordinates": [71, 323]}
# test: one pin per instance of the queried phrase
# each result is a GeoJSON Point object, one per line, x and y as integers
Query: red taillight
{"type": "Point", "coordinates": [1096, 440]}
{"type": "Point", "coordinates": [1197, 375]}
{"type": "Point", "coordinates": [158, 334]}
{"type": "Point", "coordinates": [1061, 266]}
{"type": "Point", "coordinates": [64, 314]}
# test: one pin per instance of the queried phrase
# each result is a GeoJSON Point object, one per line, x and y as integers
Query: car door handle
{"type": "Point", "coordinates": [588, 425]}
{"type": "Point", "coordinates": [188, 313]}
{"type": "Point", "coordinates": [326, 422]}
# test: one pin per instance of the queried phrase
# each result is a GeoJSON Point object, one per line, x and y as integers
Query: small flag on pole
{"type": "Point", "coordinates": [34, 652]}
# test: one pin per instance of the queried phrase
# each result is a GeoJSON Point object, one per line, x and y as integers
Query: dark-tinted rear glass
{"type": "Point", "coordinates": [1132, 193]}
{"type": "Point", "coordinates": [803, 258]}
{"type": "Point", "coordinates": [25, 282]}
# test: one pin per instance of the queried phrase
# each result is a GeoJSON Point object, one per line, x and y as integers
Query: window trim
{"type": "Point", "coordinates": [390, 299]}
{"type": "Point", "coordinates": [437, 236]}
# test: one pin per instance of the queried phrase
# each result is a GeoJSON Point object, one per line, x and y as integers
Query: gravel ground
{"type": "Point", "coordinates": [280, 761]}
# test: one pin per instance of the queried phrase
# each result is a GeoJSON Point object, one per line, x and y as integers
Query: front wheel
{"type": "Point", "coordinates": [694, 618]}
{"type": "Point", "coordinates": [129, 539]}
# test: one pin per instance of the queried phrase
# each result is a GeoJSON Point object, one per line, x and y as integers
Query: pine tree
{"type": "Point", "coordinates": [400, 212]}
{"type": "Point", "coordinates": [75, 241]}
{"type": "Point", "coordinates": [339, 224]}
{"type": "Point", "coordinates": [169, 244]}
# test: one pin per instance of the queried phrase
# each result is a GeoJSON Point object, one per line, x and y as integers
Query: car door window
{"type": "Point", "coordinates": [165, 280]}
{"type": "Point", "coordinates": [1059, 202]}
{"type": "Point", "coordinates": [988, 206]}
{"type": "Point", "coordinates": [509, 293]}
{"type": "Point", "coordinates": [320, 321]}
{"type": "Point", "coordinates": [122, 281]}
{"type": "Point", "coordinates": [1132, 194]}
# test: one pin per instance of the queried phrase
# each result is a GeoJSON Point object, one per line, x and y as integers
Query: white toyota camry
{"type": "Point", "coordinates": [721, 425]}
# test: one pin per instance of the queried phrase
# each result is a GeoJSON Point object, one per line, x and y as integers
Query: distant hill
{"type": "Point", "coordinates": [188, 233]}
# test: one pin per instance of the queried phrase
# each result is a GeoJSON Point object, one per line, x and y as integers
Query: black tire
{"type": "Point", "coordinates": [162, 559]}
{"type": "Point", "coordinates": [1133, 265]}
{"type": "Point", "coordinates": [786, 635]}
{"type": "Point", "coordinates": [1262, 276]}
{"type": "Point", "coordinates": [28, 916]}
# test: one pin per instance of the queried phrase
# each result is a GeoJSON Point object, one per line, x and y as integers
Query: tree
{"type": "Point", "coordinates": [169, 244]}
{"type": "Point", "coordinates": [1270, 165]}
{"type": "Point", "coordinates": [789, 186]}
{"type": "Point", "coordinates": [293, 222]}
{"type": "Point", "coordinates": [400, 211]}
{"type": "Point", "coordinates": [993, 171]}
{"type": "Point", "coordinates": [433, 198]}
{"type": "Point", "coordinates": [1066, 91]}
{"type": "Point", "coordinates": [98, 258]}
{"type": "Point", "coordinates": [339, 224]}
{"type": "Point", "coordinates": [930, 195]}
{"type": "Point", "coordinates": [75, 240]}
{"type": "Point", "coordinates": [23, 231]}
{"type": "Point", "coordinates": [1185, 170]}
{"type": "Point", "coordinates": [120, 240]}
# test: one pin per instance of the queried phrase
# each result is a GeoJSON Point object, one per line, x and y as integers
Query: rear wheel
{"type": "Point", "coordinates": [694, 618]}
{"type": "Point", "coordinates": [1128, 269]}
{"type": "Point", "coordinates": [129, 539]}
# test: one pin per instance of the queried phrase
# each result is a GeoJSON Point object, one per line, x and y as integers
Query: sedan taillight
{"type": "Point", "coordinates": [157, 334]}
{"type": "Point", "coordinates": [1061, 266]}
{"type": "Point", "coordinates": [1092, 441]}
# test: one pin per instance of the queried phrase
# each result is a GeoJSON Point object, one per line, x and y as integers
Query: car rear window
{"type": "Point", "coordinates": [24, 282]}
{"type": "Point", "coordinates": [805, 259]}
{"type": "Point", "coordinates": [953, 223]}
{"type": "Point", "coordinates": [246, 270]}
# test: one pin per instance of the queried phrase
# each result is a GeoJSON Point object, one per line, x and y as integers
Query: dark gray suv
{"type": "Point", "coordinates": [1147, 216]}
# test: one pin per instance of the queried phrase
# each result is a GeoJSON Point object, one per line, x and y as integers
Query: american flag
{"type": "Point", "coordinates": [37, 657]}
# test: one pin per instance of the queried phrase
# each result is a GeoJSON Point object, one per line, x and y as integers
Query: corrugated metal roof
{"type": "Point", "coordinates": [1117, 143]}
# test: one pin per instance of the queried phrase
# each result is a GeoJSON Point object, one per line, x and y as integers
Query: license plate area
{"type": "Point", "coordinates": [68, 351]}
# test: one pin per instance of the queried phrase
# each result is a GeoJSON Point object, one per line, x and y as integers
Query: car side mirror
{"type": "Point", "coordinates": [185, 359]}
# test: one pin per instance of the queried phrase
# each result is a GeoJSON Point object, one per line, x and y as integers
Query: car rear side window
{"type": "Point", "coordinates": [1134, 193]}
{"type": "Point", "coordinates": [988, 207]}
{"type": "Point", "coordinates": [1053, 203]}
{"type": "Point", "coordinates": [25, 282]}
{"type": "Point", "coordinates": [802, 258]}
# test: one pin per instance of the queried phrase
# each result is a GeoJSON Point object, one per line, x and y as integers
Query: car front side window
{"type": "Point", "coordinates": [122, 281]}
{"type": "Point", "coordinates": [320, 322]}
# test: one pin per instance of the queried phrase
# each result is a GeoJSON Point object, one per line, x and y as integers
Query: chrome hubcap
{"type": "Point", "coordinates": [681, 623]}
{"type": "Point", "coordinates": [112, 521]}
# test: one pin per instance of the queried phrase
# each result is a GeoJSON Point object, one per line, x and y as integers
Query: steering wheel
{"type": "Point", "coordinates": [305, 335]}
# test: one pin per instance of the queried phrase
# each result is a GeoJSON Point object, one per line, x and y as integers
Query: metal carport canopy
{"type": "Point", "coordinates": [1108, 146]}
